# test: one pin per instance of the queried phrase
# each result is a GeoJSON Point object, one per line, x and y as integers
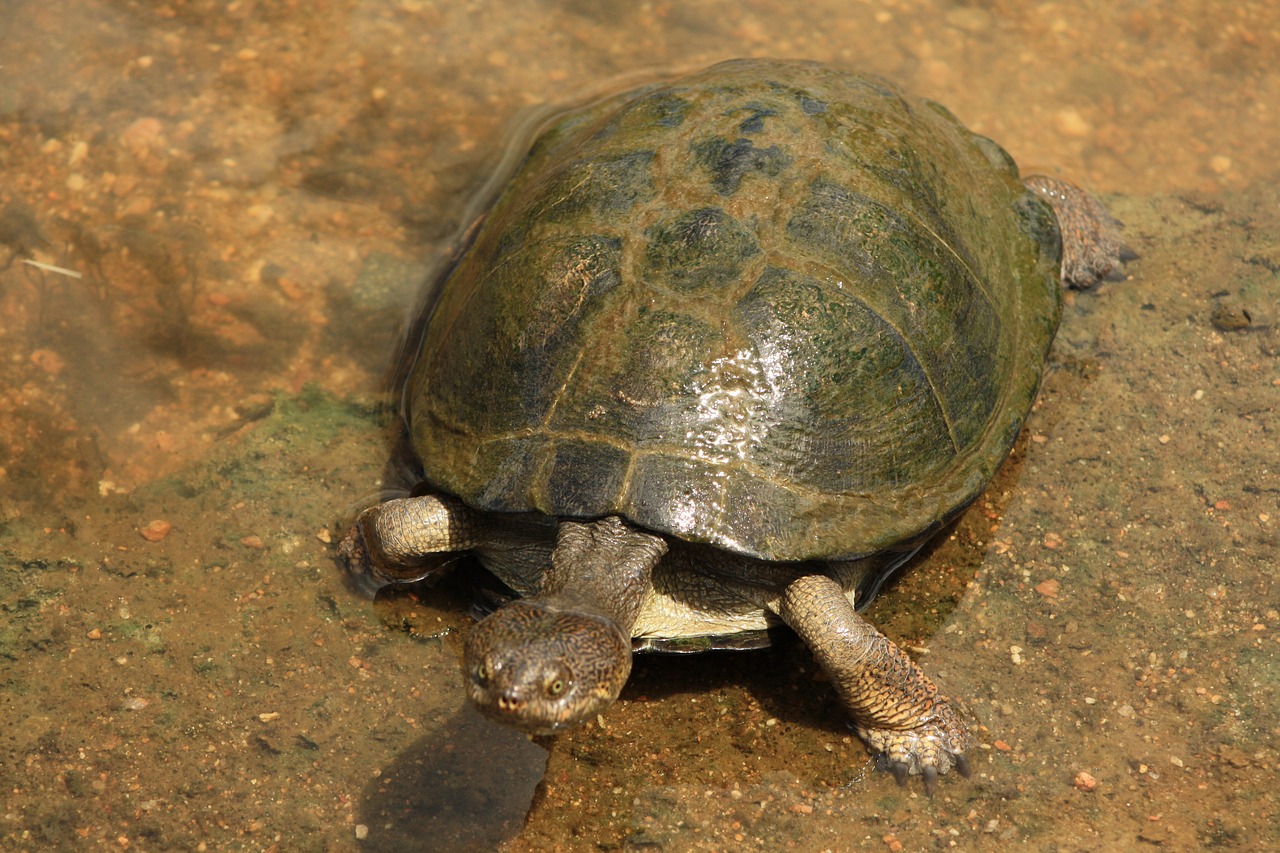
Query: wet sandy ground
{"type": "Point", "coordinates": [250, 192]}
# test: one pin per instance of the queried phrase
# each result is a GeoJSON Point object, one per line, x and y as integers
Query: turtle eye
{"type": "Point", "coordinates": [482, 674]}
{"type": "Point", "coordinates": [555, 687]}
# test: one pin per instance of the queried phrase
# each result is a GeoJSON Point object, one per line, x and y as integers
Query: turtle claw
{"type": "Point", "coordinates": [900, 774]}
{"type": "Point", "coordinates": [902, 770]}
{"type": "Point", "coordinates": [930, 775]}
{"type": "Point", "coordinates": [929, 750]}
{"type": "Point", "coordinates": [357, 564]}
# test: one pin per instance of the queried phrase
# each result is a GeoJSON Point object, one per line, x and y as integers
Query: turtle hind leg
{"type": "Point", "coordinates": [896, 708]}
{"type": "Point", "coordinates": [1091, 245]}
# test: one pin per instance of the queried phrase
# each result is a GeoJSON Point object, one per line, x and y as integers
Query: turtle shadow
{"type": "Point", "coordinates": [782, 678]}
{"type": "Point", "coordinates": [778, 678]}
{"type": "Point", "coordinates": [466, 786]}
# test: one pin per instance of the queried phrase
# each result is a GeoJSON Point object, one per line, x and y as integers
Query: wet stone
{"type": "Point", "coordinates": [1229, 316]}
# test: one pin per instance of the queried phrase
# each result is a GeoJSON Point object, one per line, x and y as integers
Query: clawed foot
{"type": "Point", "coordinates": [1092, 248]}
{"type": "Point", "coordinates": [928, 751]}
{"type": "Point", "coordinates": [353, 556]}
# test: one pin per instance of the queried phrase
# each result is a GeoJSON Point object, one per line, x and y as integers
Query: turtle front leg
{"type": "Point", "coordinates": [896, 709]}
{"type": "Point", "coordinates": [405, 540]}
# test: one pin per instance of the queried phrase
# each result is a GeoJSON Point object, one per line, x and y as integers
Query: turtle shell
{"type": "Point", "coordinates": [773, 306]}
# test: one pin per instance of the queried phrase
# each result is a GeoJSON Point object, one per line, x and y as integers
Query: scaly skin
{"type": "Point", "coordinates": [895, 707]}
{"type": "Point", "coordinates": [561, 657]}
{"type": "Point", "coordinates": [1091, 244]}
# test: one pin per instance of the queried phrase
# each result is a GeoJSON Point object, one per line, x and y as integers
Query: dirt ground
{"type": "Point", "coordinates": [213, 221]}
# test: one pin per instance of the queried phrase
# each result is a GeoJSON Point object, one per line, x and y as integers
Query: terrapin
{"type": "Point", "coordinates": [721, 356]}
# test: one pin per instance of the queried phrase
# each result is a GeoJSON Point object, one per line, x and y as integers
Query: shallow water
{"type": "Point", "coordinates": [248, 193]}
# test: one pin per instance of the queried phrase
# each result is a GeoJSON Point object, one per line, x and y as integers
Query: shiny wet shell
{"type": "Point", "coordinates": [775, 307]}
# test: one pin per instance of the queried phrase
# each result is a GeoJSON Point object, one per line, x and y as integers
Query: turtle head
{"type": "Point", "coordinates": [542, 669]}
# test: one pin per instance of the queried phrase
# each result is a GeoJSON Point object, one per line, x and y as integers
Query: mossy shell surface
{"type": "Point", "coordinates": [776, 307]}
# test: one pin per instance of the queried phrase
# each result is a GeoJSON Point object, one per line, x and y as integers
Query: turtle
{"type": "Point", "coordinates": [721, 356]}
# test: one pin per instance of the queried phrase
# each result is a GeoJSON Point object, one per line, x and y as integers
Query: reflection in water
{"type": "Point", "coordinates": [467, 786]}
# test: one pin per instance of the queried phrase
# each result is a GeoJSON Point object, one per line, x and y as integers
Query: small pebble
{"type": "Point", "coordinates": [48, 361]}
{"type": "Point", "coordinates": [1069, 122]}
{"type": "Point", "coordinates": [142, 135]}
{"type": "Point", "coordinates": [137, 206]}
{"type": "Point", "coordinates": [1048, 588]}
{"type": "Point", "coordinates": [156, 530]}
{"type": "Point", "coordinates": [362, 832]}
{"type": "Point", "coordinates": [1227, 316]}
{"type": "Point", "coordinates": [254, 542]}
{"type": "Point", "coordinates": [123, 185]}
{"type": "Point", "coordinates": [1085, 781]}
{"type": "Point", "coordinates": [79, 152]}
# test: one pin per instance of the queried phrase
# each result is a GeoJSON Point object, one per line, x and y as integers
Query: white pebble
{"type": "Point", "coordinates": [1070, 123]}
